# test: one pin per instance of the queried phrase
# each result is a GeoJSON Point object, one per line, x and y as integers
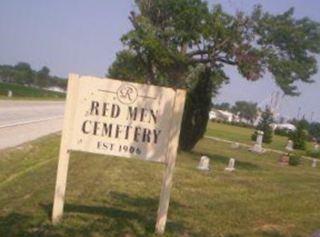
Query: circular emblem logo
{"type": "Point", "coordinates": [127, 94]}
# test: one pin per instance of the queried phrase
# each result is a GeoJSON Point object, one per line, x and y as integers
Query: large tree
{"type": "Point", "coordinates": [186, 44]}
{"type": "Point", "coordinates": [23, 73]}
{"type": "Point", "coordinates": [245, 109]}
{"type": "Point", "coordinates": [43, 77]}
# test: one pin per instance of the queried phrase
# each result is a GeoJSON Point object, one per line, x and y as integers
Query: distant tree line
{"type": "Point", "coordinates": [311, 128]}
{"type": "Point", "coordinates": [249, 111]}
{"type": "Point", "coordinates": [23, 74]}
{"type": "Point", "coordinates": [222, 106]}
{"type": "Point", "coordinates": [245, 109]}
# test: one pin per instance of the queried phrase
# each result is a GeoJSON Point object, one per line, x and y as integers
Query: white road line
{"type": "Point", "coordinates": [30, 121]}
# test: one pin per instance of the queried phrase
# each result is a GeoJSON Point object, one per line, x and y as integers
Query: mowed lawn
{"type": "Point", "coordinates": [24, 92]}
{"type": "Point", "coordinates": [109, 196]}
{"type": "Point", "coordinates": [243, 135]}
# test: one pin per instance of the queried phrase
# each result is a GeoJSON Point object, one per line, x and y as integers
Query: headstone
{"type": "Point", "coordinates": [231, 165]}
{"type": "Point", "coordinates": [257, 147]}
{"type": "Point", "coordinates": [314, 163]}
{"type": "Point", "coordinates": [9, 93]}
{"type": "Point", "coordinates": [204, 163]}
{"type": "Point", "coordinates": [235, 145]}
{"type": "Point", "coordinates": [259, 137]}
{"type": "Point", "coordinates": [284, 159]}
{"type": "Point", "coordinates": [316, 147]}
{"type": "Point", "coordinates": [289, 146]}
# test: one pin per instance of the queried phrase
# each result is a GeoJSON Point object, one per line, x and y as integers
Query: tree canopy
{"type": "Point", "coordinates": [170, 39]}
{"type": "Point", "coordinates": [22, 73]}
{"type": "Point", "coordinates": [180, 42]}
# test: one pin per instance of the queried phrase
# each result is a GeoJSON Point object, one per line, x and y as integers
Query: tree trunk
{"type": "Point", "coordinates": [196, 112]}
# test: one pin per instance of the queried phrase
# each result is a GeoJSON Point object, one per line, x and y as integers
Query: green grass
{"type": "Point", "coordinates": [23, 92]}
{"type": "Point", "coordinates": [243, 135]}
{"type": "Point", "coordinates": [109, 196]}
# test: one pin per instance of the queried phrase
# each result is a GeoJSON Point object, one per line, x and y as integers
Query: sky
{"type": "Point", "coordinates": [83, 37]}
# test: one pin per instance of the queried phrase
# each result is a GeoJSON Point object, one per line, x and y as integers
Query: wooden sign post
{"type": "Point", "coordinates": [113, 117]}
{"type": "Point", "coordinates": [171, 161]}
{"type": "Point", "coordinates": [61, 181]}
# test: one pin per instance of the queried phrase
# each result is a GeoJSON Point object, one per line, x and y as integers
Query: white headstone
{"type": "Point", "coordinates": [231, 165]}
{"type": "Point", "coordinates": [316, 147]}
{"type": "Point", "coordinates": [259, 137]}
{"type": "Point", "coordinates": [257, 147]}
{"type": "Point", "coordinates": [9, 93]}
{"type": "Point", "coordinates": [314, 163]}
{"type": "Point", "coordinates": [289, 146]}
{"type": "Point", "coordinates": [235, 145]}
{"type": "Point", "coordinates": [204, 163]}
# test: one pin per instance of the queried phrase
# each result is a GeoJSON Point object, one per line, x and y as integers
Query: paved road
{"type": "Point", "coordinates": [22, 121]}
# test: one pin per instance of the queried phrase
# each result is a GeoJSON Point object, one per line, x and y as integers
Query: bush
{"type": "Point", "coordinates": [254, 136]}
{"type": "Point", "coordinates": [294, 160]}
{"type": "Point", "coordinates": [314, 154]}
{"type": "Point", "coordinates": [299, 137]}
{"type": "Point", "coordinates": [282, 132]}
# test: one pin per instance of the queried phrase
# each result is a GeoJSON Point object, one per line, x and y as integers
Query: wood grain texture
{"type": "Point", "coordinates": [171, 161]}
{"type": "Point", "coordinates": [63, 163]}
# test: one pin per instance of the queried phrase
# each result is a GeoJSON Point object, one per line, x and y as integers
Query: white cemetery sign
{"type": "Point", "coordinates": [118, 118]}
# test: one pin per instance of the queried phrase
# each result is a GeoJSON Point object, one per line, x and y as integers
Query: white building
{"type": "Point", "coordinates": [285, 126]}
{"type": "Point", "coordinates": [222, 115]}
{"type": "Point", "coordinates": [55, 89]}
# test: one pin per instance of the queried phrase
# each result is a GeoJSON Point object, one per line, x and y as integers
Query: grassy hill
{"type": "Point", "coordinates": [109, 196]}
{"type": "Point", "coordinates": [243, 135]}
{"type": "Point", "coordinates": [20, 92]}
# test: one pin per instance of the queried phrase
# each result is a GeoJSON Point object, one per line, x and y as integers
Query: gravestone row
{"type": "Point", "coordinates": [204, 164]}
